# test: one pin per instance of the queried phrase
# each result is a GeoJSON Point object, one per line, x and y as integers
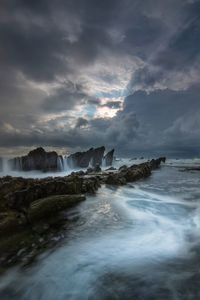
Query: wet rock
{"type": "Point", "coordinates": [89, 170]}
{"type": "Point", "coordinates": [42, 208]}
{"type": "Point", "coordinates": [97, 168]}
{"type": "Point", "coordinates": [91, 184]}
{"type": "Point", "coordinates": [155, 163]}
{"type": "Point", "coordinates": [98, 156]}
{"type": "Point", "coordinates": [116, 179]}
{"type": "Point", "coordinates": [83, 159]}
{"type": "Point", "coordinates": [37, 159]}
{"type": "Point", "coordinates": [124, 167]}
{"type": "Point", "coordinates": [34, 205]}
{"type": "Point", "coordinates": [108, 158]}
{"type": "Point", "coordinates": [111, 169]}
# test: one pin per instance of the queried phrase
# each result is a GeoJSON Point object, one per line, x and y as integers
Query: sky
{"type": "Point", "coordinates": [77, 74]}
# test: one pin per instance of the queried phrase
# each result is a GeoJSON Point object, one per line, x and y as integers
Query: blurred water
{"type": "Point", "coordinates": [140, 241]}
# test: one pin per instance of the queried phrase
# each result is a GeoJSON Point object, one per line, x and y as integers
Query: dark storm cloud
{"type": "Point", "coordinates": [50, 51]}
{"type": "Point", "coordinates": [81, 122]}
{"type": "Point", "coordinates": [64, 98]}
{"type": "Point", "coordinates": [145, 126]}
{"type": "Point", "coordinates": [180, 53]}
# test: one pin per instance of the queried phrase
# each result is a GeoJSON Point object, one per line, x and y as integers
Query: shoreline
{"type": "Point", "coordinates": [31, 219]}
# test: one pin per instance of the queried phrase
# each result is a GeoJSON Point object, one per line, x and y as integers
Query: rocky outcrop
{"type": "Point", "coordinates": [133, 173]}
{"type": "Point", "coordinates": [80, 159]}
{"type": "Point", "coordinates": [37, 159]}
{"type": "Point", "coordinates": [46, 207]}
{"type": "Point", "coordinates": [108, 158]}
{"type": "Point", "coordinates": [91, 157]}
{"type": "Point", "coordinates": [31, 206]}
{"type": "Point", "coordinates": [98, 154]}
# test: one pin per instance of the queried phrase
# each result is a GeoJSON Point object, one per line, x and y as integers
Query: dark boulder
{"type": "Point", "coordinates": [45, 207]}
{"type": "Point", "coordinates": [155, 163]}
{"type": "Point", "coordinates": [108, 158]}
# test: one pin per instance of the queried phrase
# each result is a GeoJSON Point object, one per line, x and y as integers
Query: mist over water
{"type": "Point", "coordinates": [141, 241]}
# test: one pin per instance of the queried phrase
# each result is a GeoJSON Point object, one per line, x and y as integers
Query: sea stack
{"type": "Point", "coordinates": [37, 159]}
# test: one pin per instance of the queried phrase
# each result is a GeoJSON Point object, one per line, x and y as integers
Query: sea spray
{"type": "Point", "coordinates": [60, 163]}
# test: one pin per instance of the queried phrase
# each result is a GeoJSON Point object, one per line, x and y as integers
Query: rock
{"type": "Point", "coordinates": [97, 168]}
{"type": "Point", "coordinates": [98, 156]}
{"type": "Point", "coordinates": [89, 170]}
{"type": "Point", "coordinates": [116, 179]}
{"type": "Point", "coordinates": [80, 159]}
{"type": "Point", "coordinates": [10, 224]}
{"type": "Point", "coordinates": [37, 159]}
{"type": "Point", "coordinates": [30, 208]}
{"type": "Point", "coordinates": [108, 158]}
{"type": "Point", "coordinates": [21, 251]}
{"type": "Point", "coordinates": [42, 208]}
{"type": "Point", "coordinates": [111, 169]}
{"type": "Point", "coordinates": [155, 163]}
{"type": "Point", "coordinates": [124, 167]}
{"type": "Point", "coordinates": [84, 159]}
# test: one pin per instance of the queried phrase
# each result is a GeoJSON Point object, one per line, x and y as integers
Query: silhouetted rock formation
{"type": "Point", "coordinates": [108, 158]}
{"type": "Point", "coordinates": [37, 159]}
{"type": "Point", "coordinates": [84, 159]}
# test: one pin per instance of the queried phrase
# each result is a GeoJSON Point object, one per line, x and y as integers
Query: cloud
{"type": "Point", "coordinates": [81, 122]}
{"type": "Point", "coordinates": [64, 98]}
{"type": "Point", "coordinates": [81, 73]}
{"type": "Point", "coordinates": [112, 104]}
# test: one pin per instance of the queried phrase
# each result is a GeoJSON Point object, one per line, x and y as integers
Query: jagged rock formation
{"type": "Point", "coordinates": [108, 158]}
{"type": "Point", "coordinates": [37, 159]}
{"type": "Point", "coordinates": [84, 159]}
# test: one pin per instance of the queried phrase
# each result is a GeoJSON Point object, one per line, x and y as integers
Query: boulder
{"type": "Point", "coordinates": [108, 158]}
{"type": "Point", "coordinates": [45, 207]}
{"type": "Point", "coordinates": [155, 163]}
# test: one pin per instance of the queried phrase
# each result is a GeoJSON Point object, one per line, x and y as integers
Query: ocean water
{"type": "Point", "coordinates": [137, 242]}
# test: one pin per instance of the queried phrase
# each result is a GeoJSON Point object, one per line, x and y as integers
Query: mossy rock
{"type": "Point", "coordinates": [11, 223]}
{"type": "Point", "coordinates": [45, 207]}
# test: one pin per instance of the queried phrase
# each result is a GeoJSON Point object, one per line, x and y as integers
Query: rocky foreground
{"type": "Point", "coordinates": [31, 217]}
